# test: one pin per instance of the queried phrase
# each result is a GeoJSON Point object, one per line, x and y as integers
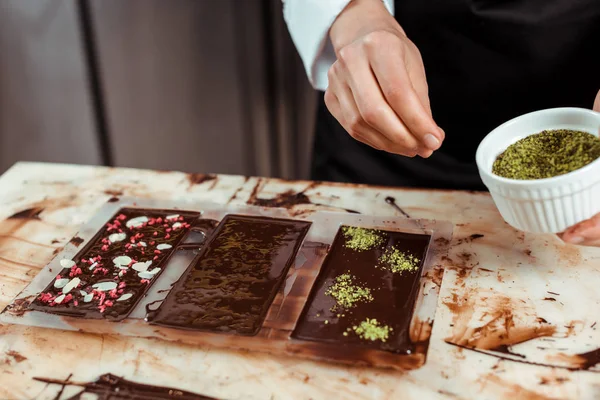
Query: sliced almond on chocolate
{"type": "Point", "coordinates": [125, 296]}
{"type": "Point", "coordinates": [71, 285]}
{"type": "Point", "coordinates": [60, 283]}
{"type": "Point", "coordinates": [67, 263]}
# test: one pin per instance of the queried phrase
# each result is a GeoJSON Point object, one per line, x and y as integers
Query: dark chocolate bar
{"type": "Point", "coordinates": [110, 275]}
{"type": "Point", "coordinates": [232, 282]}
{"type": "Point", "coordinates": [365, 292]}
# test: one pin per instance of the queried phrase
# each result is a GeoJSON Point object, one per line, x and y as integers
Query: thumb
{"type": "Point", "coordinates": [597, 102]}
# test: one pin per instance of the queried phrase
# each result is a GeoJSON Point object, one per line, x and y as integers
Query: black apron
{"type": "Point", "coordinates": [486, 61]}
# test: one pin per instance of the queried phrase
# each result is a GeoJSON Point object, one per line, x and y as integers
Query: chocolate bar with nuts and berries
{"type": "Point", "coordinates": [107, 278]}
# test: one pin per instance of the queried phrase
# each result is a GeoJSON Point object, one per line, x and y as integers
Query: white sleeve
{"type": "Point", "coordinates": [308, 22]}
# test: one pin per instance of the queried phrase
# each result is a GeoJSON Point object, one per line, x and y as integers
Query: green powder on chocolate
{"type": "Point", "coordinates": [547, 154]}
{"type": "Point", "coordinates": [347, 293]}
{"type": "Point", "coordinates": [361, 239]}
{"type": "Point", "coordinates": [371, 329]}
{"type": "Point", "coordinates": [398, 262]}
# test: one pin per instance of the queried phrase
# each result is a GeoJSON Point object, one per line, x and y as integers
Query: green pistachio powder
{"type": "Point", "coordinates": [361, 239]}
{"type": "Point", "coordinates": [347, 293]}
{"type": "Point", "coordinates": [547, 154]}
{"type": "Point", "coordinates": [398, 262]}
{"type": "Point", "coordinates": [371, 329]}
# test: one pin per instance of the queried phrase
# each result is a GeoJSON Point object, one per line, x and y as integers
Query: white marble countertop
{"type": "Point", "coordinates": [530, 295]}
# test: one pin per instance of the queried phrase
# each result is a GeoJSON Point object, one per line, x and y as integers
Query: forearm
{"type": "Point", "coordinates": [309, 22]}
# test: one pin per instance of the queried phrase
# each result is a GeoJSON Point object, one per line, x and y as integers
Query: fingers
{"type": "Point", "coordinates": [597, 102]}
{"type": "Point", "coordinates": [391, 72]}
{"type": "Point", "coordinates": [374, 111]}
{"type": "Point", "coordinates": [335, 108]}
{"type": "Point", "coordinates": [341, 103]}
{"type": "Point", "coordinates": [586, 233]}
{"type": "Point", "coordinates": [378, 92]}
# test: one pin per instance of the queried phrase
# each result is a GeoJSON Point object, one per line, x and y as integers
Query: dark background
{"type": "Point", "coordinates": [191, 85]}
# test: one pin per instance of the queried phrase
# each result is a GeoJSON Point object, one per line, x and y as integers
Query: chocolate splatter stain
{"type": "Point", "coordinates": [553, 380]}
{"type": "Point", "coordinates": [286, 199]}
{"type": "Point", "coordinates": [583, 361]}
{"type": "Point", "coordinates": [109, 386]}
{"type": "Point", "coordinates": [446, 393]}
{"type": "Point", "coordinates": [289, 199]}
{"type": "Point", "coordinates": [392, 201]}
{"type": "Point", "coordinates": [438, 275]}
{"type": "Point", "coordinates": [509, 390]}
{"type": "Point", "coordinates": [19, 306]}
{"type": "Point", "coordinates": [555, 294]}
{"type": "Point", "coordinates": [507, 350]}
{"type": "Point", "coordinates": [54, 241]}
{"type": "Point", "coordinates": [16, 356]}
{"type": "Point", "coordinates": [198, 179]}
{"type": "Point", "coordinates": [29, 213]}
{"type": "Point", "coordinates": [549, 299]}
{"type": "Point", "coordinates": [442, 241]}
{"type": "Point", "coordinates": [113, 200]}
{"type": "Point", "coordinates": [114, 193]}
{"type": "Point", "coordinates": [234, 195]}
{"type": "Point", "coordinates": [76, 241]}
{"type": "Point", "coordinates": [517, 360]}
{"type": "Point", "coordinates": [469, 238]}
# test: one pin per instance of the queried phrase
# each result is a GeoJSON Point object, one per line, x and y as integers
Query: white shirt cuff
{"type": "Point", "coordinates": [309, 22]}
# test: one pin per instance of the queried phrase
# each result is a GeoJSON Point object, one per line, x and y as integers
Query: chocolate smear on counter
{"type": "Point", "coordinates": [232, 282]}
{"type": "Point", "coordinates": [111, 274]}
{"type": "Point", "coordinates": [76, 241]}
{"type": "Point", "coordinates": [198, 179]}
{"type": "Point", "coordinates": [388, 313]}
{"type": "Point", "coordinates": [114, 193]}
{"type": "Point", "coordinates": [289, 199]}
{"type": "Point", "coordinates": [30, 213]}
{"type": "Point", "coordinates": [584, 365]}
{"type": "Point", "coordinates": [589, 359]}
{"type": "Point", "coordinates": [112, 387]}
{"type": "Point", "coordinates": [18, 357]}
{"type": "Point", "coordinates": [19, 306]}
{"type": "Point", "coordinates": [503, 348]}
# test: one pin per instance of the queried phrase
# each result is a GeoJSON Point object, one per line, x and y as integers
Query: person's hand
{"type": "Point", "coordinates": [377, 87]}
{"type": "Point", "coordinates": [586, 233]}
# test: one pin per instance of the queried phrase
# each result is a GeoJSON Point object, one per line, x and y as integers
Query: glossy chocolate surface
{"type": "Point", "coordinates": [231, 284]}
{"type": "Point", "coordinates": [393, 294]}
{"type": "Point", "coordinates": [112, 387]}
{"type": "Point", "coordinates": [94, 264]}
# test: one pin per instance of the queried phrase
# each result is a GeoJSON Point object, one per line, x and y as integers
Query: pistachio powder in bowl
{"type": "Point", "coordinates": [547, 154]}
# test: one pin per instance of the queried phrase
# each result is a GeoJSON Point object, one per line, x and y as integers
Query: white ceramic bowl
{"type": "Point", "coordinates": [545, 205]}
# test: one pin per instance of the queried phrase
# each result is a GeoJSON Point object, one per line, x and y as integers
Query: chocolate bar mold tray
{"type": "Point", "coordinates": [275, 333]}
